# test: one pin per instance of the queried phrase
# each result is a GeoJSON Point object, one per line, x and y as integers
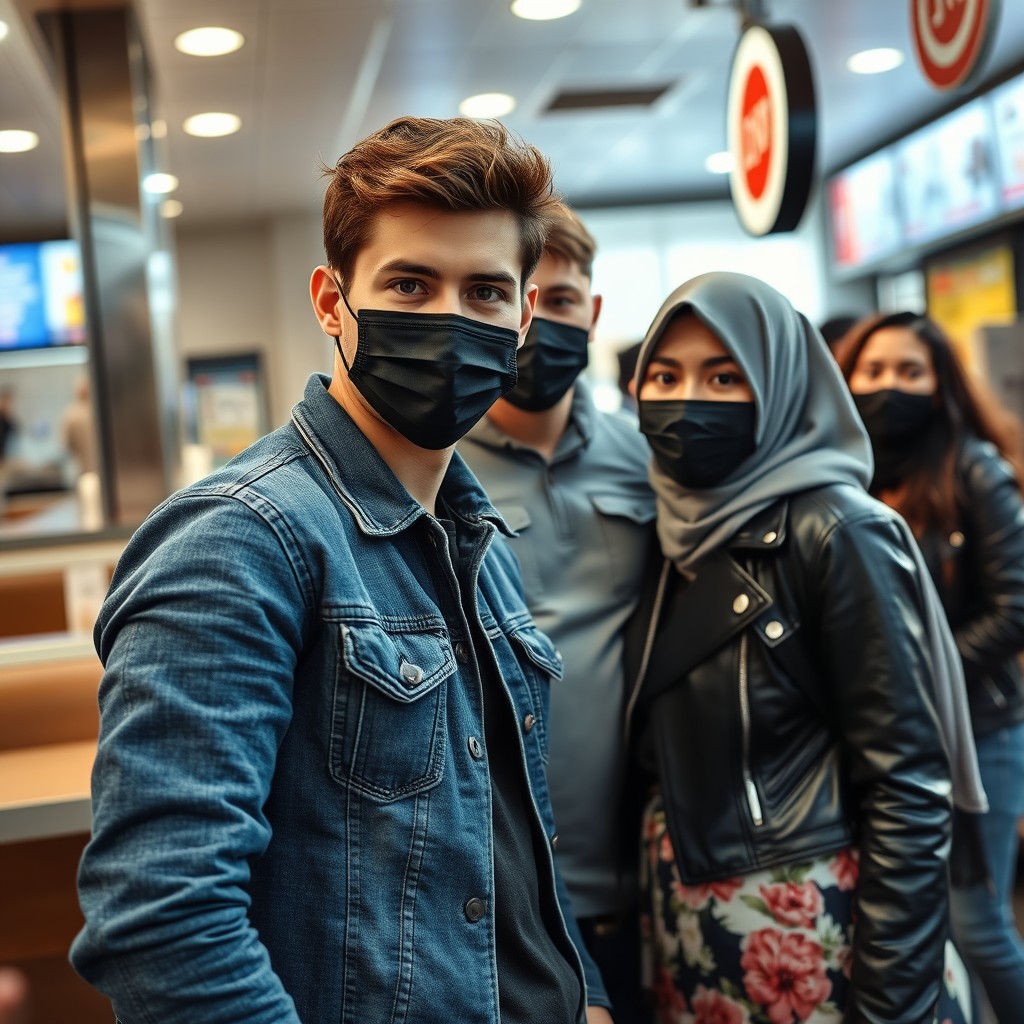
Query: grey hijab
{"type": "Point", "coordinates": [807, 434]}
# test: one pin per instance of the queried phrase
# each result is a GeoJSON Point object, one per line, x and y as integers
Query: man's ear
{"type": "Point", "coordinates": [529, 304]}
{"type": "Point", "coordinates": [323, 291]}
{"type": "Point", "coordinates": [596, 299]}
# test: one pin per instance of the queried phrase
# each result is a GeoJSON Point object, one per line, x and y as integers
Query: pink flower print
{"type": "Point", "coordinates": [665, 852]}
{"type": "Point", "coordinates": [785, 973]}
{"type": "Point", "coordinates": [711, 1007]}
{"type": "Point", "coordinates": [846, 868]}
{"type": "Point", "coordinates": [792, 905]}
{"type": "Point", "coordinates": [669, 1001]}
{"type": "Point", "coordinates": [696, 896]}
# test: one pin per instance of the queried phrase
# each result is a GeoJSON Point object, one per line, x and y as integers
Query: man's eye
{"type": "Point", "coordinates": [408, 286]}
{"type": "Point", "coordinates": [488, 293]}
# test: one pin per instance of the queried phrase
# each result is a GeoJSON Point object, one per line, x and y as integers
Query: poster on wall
{"type": "Point", "coordinates": [226, 404]}
{"type": "Point", "coordinates": [863, 212]}
{"type": "Point", "coordinates": [968, 292]}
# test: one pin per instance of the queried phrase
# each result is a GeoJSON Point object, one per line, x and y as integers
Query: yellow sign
{"type": "Point", "coordinates": [968, 292]}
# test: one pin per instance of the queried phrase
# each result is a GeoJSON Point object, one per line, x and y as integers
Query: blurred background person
{"type": "Point", "coordinates": [948, 462]}
{"type": "Point", "coordinates": [13, 997]}
{"type": "Point", "coordinates": [78, 429]}
{"type": "Point", "coordinates": [626, 358]}
{"type": "Point", "coordinates": [8, 424]}
{"type": "Point", "coordinates": [834, 329]}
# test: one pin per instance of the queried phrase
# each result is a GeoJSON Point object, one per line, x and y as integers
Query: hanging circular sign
{"type": "Point", "coordinates": [771, 127]}
{"type": "Point", "coordinates": [951, 38]}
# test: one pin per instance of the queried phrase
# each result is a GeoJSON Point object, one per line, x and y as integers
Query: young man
{"type": "Point", "coordinates": [573, 483]}
{"type": "Point", "coordinates": [317, 797]}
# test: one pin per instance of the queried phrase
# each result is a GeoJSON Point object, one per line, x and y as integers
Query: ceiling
{"type": "Point", "coordinates": [316, 75]}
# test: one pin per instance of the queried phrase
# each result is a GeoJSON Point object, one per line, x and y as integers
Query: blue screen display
{"type": "Point", "coordinates": [41, 295]}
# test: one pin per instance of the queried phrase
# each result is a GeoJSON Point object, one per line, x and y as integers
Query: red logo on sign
{"type": "Point", "coordinates": [949, 38]}
{"type": "Point", "coordinates": [756, 132]}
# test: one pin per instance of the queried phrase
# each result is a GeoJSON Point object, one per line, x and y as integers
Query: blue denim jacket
{"type": "Point", "coordinates": [288, 822]}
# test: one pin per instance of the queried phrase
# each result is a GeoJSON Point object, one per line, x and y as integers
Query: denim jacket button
{"type": "Point", "coordinates": [475, 909]}
{"type": "Point", "coordinates": [554, 841]}
{"type": "Point", "coordinates": [528, 723]}
{"type": "Point", "coordinates": [412, 674]}
{"type": "Point", "coordinates": [461, 652]}
{"type": "Point", "coordinates": [474, 748]}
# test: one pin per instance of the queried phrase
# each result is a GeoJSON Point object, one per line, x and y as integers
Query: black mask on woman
{"type": "Point", "coordinates": [894, 417]}
{"type": "Point", "coordinates": [552, 357]}
{"type": "Point", "coordinates": [431, 376]}
{"type": "Point", "coordinates": [699, 443]}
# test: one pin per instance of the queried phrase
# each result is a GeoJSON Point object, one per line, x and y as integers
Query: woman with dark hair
{"type": "Point", "coordinates": [944, 459]}
{"type": "Point", "coordinates": [797, 699]}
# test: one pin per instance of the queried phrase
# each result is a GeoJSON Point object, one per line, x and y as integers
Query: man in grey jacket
{"type": "Point", "coordinates": [572, 482]}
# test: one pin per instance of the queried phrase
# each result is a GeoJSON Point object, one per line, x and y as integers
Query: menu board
{"type": "Point", "coordinates": [947, 174]}
{"type": "Point", "coordinates": [1008, 111]}
{"type": "Point", "coordinates": [862, 207]}
{"type": "Point", "coordinates": [41, 295]}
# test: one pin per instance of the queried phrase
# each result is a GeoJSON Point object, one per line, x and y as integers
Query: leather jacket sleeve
{"type": "Point", "coordinates": [994, 520]}
{"type": "Point", "coordinates": [867, 597]}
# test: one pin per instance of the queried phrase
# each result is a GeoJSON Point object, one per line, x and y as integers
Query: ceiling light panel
{"type": "Point", "coordinates": [875, 62]}
{"type": "Point", "coordinates": [544, 10]}
{"type": "Point", "coordinates": [159, 184]}
{"type": "Point", "coordinates": [17, 140]}
{"type": "Point", "coordinates": [487, 104]}
{"type": "Point", "coordinates": [212, 124]}
{"type": "Point", "coordinates": [209, 41]}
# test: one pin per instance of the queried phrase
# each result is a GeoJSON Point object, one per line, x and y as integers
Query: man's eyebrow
{"type": "Point", "coordinates": [562, 287]}
{"type": "Point", "coordinates": [422, 270]}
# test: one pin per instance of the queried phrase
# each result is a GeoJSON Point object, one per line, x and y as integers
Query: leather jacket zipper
{"type": "Point", "coordinates": [753, 800]}
{"type": "Point", "coordinates": [652, 628]}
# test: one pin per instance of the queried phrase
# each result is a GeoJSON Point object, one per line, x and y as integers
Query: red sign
{"type": "Point", "coordinates": [756, 137]}
{"type": "Point", "coordinates": [771, 125]}
{"type": "Point", "coordinates": [951, 37]}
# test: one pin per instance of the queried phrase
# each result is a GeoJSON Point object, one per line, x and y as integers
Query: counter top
{"type": "Point", "coordinates": [44, 791]}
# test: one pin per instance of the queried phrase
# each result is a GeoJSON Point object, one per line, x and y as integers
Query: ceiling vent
{"type": "Point", "coordinates": [606, 99]}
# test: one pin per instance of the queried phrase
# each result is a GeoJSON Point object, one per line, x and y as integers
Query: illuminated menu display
{"type": "Point", "coordinates": [41, 300]}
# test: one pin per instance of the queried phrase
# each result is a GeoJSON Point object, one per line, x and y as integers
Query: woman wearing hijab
{"type": "Point", "coordinates": [941, 462]}
{"type": "Point", "coordinates": [797, 697]}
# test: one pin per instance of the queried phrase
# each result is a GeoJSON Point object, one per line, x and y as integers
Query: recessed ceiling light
{"type": "Point", "coordinates": [212, 124]}
{"type": "Point", "coordinates": [874, 62]}
{"type": "Point", "coordinates": [720, 163]}
{"type": "Point", "coordinates": [209, 41]}
{"type": "Point", "coordinates": [15, 140]}
{"type": "Point", "coordinates": [3, 30]}
{"type": "Point", "coordinates": [159, 184]}
{"type": "Point", "coordinates": [488, 104]}
{"type": "Point", "coordinates": [544, 10]}
{"type": "Point", "coordinates": [170, 208]}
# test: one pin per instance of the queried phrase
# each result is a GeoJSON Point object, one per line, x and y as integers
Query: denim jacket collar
{"type": "Point", "coordinates": [380, 504]}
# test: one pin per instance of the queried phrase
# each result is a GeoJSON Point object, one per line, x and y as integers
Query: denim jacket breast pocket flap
{"type": "Point", "coordinates": [540, 650]}
{"type": "Point", "coordinates": [388, 726]}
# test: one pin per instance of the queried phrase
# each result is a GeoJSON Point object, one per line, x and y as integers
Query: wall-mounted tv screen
{"type": "Point", "coordinates": [947, 174]}
{"type": "Point", "coordinates": [1008, 111]}
{"type": "Point", "coordinates": [41, 295]}
{"type": "Point", "coordinates": [862, 207]}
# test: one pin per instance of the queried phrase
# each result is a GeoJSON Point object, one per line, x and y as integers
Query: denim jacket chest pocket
{"type": "Point", "coordinates": [541, 664]}
{"type": "Point", "coordinates": [388, 720]}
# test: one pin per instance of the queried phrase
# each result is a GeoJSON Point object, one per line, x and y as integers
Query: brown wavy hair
{"type": "Point", "coordinates": [569, 239]}
{"type": "Point", "coordinates": [928, 497]}
{"type": "Point", "coordinates": [457, 164]}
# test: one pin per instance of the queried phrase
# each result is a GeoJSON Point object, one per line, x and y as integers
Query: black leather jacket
{"type": "Point", "coordinates": [784, 700]}
{"type": "Point", "coordinates": [979, 572]}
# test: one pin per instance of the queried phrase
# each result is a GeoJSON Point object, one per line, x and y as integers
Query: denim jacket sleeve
{"type": "Point", "coordinates": [199, 636]}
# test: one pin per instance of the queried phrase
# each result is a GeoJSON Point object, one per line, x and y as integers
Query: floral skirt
{"type": "Point", "coordinates": [772, 947]}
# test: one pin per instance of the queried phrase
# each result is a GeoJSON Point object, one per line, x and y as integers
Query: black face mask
{"type": "Point", "coordinates": [431, 376]}
{"type": "Point", "coordinates": [892, 416]}
{"type": "Point", "coordinates": [698, 443]}
{"type": "Point", "coordinates": [552, 357]}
